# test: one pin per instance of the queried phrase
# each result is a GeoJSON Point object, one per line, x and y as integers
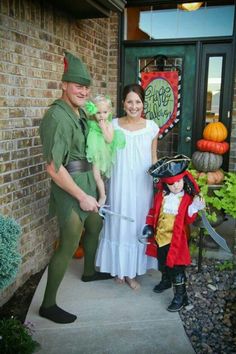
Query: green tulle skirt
{"type": "Point", "coordinates": [100, 153]}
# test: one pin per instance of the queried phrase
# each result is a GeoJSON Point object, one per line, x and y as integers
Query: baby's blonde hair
{"type": "Point", "coordinates": [99, 99]}
{"type": "Point", "coordinates": [102, 98]}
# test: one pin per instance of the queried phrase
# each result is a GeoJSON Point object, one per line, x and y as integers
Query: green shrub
{"type": "Point", "coordinates": [220, 197]}
{"type": "Point", "coordinates": [10, 258]}
{"type": "Point", "coordinates": [225, 197]}
{"type": "Point", "coordinates": [226, 265]}
{"type": "Point", "coordinates": [16, 338]}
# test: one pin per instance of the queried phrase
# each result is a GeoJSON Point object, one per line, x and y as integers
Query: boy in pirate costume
{"type": "Point", "coordinates": [175, 206]}
{"type": "Point", "coordinates": [63, 133]}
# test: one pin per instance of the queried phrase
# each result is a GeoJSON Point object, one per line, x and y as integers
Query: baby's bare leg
{"type": "Point", "coordinates": [100, 185]}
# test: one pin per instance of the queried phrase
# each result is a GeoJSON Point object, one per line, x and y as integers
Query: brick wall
{"type": "Point", "coordinates": [33, 38]}
{"type": "Point", "coordinates": [232, 159]}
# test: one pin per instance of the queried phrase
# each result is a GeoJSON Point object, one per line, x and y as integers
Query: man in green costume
{"type": "Point", "coordinates": [63, 132]}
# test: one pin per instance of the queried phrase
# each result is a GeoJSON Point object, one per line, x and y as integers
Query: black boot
{"type": "Point", "coordinates": [180, 298]}
{"type": "Point", "coordinates": [164, 284]}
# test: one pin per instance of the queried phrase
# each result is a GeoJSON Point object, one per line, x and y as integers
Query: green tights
{"type": "Point", "coordinates": [70, 235]}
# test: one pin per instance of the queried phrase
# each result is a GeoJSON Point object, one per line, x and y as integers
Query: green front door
{"type": "Point", "coordinates": [179, 139]}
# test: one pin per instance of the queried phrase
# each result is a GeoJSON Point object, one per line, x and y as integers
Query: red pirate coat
{"type": "Point", "coordinates": [179, 251]}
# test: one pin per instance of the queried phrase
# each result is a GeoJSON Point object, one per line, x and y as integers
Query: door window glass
{"type": "Point", "coordinates": [156, 22]}
{"type": "Point", "coordinates": [214, 80]}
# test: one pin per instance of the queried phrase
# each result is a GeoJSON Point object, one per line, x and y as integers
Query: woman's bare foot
{"type": "Point", "coordinates": [119, 280]}
{"type": "Point", "coordinates": [132, 283]}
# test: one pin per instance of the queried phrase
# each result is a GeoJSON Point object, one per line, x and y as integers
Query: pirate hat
{"type": "Point", "coordinates": [168, 167]}
{"type": "Point", "coordinates": [172, 169]}
{"type": "Point", "coordinates": [75, 70]}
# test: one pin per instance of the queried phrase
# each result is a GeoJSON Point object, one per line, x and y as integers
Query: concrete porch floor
{"type": "Point", "coordinates": [112, 318]}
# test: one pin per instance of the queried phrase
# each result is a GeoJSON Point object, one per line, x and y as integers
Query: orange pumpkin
{"type": "Point", "coordinates": [215, 177]}
{"type": "Point", "coordinates": [79, 253]}
{"type": "Point", "coordinates": [215, 132]}
{"type": "Point", "coordinates": [212, 146]}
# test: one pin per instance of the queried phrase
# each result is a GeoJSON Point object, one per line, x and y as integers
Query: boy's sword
{"type": "Point", "coordinates": [103, 211]}
{"type": "Point", "coordinates": [216, 237]}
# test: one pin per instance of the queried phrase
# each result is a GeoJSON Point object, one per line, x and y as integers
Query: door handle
{"type": "Point", "coordinates": [188, 139]}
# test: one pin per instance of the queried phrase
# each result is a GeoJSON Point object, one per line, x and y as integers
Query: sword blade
{"type": "Point", "coordinates": [105, 211]}
{"type": "Point", "coordinates": [216, 237]}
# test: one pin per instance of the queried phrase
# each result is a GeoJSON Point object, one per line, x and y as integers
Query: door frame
{"type": "Point", "coordinates": [199, 44]}
{"type": "Point", "coordinates": [224, 49]}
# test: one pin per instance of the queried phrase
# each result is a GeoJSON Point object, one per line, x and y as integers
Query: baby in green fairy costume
{"type": "Point", "coordinates": [102, 141]}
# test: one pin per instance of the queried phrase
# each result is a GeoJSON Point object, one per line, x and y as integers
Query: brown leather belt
{"type": "Point", "coordinates": [78, 166]}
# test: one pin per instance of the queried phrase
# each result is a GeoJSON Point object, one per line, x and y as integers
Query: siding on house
{"type": "Point", "coordinates": [33, 38]}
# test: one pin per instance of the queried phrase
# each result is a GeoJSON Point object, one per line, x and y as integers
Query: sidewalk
{"type": "Point", "coordinates": [112, 318]}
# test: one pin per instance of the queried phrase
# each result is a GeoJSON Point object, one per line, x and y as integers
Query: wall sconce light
{"type": "Point", "coordinates": [190, 6]}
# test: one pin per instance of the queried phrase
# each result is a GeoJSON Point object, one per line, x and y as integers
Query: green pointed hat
{"type": "Point", "coordinates": [75, 70]}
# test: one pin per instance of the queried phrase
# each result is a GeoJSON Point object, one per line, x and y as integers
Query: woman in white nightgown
{"type": "Point", "coordinates": [130, 193]}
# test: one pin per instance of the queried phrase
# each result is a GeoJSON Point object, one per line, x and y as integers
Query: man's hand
{"type": "Point", "coordinates": [89, 203]}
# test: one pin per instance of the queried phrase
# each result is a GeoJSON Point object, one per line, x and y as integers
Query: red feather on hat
{"type": "Point", "coordinates": [66, 64]}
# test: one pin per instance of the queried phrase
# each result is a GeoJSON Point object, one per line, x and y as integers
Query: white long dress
{"type": "Point", "coordinates": [130, 193]}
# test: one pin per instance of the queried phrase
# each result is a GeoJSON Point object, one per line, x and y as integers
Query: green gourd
{"type": "Point", "coordinates": [206, 161]}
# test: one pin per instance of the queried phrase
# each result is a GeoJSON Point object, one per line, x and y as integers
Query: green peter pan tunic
{"type": "Point", "coordinates": [63, 135]}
